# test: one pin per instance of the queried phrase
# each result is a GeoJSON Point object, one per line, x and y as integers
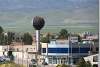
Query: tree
{"type": "Point", "coordinates": [2, 39]}
{"type": "Point", "coordinates": [88, 64]}
{"type": "Point", "coordinates": [27, 39]}
{"type": "Point", "coordinates": [10, 55]}
{"type": "Point", "coordinates": [79, 38]}
{"type": "Point", "coordinates": [63, 34]}
{"type": "Point", "coordinates": [1, 35]}
{"type": "Point", "coordinates": [45, 40]}
{"type": "Point", "coordinates": [1, 30]}
{"type": "Point", "coordinates": [62, 65]}
{"type": "Point", "coordinates": [83, 63]}
{"type": "Point", "coordinates": [10, 37]}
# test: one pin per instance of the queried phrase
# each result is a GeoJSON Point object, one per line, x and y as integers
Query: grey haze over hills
{"type": "Point", "coordinates": [74, 15]}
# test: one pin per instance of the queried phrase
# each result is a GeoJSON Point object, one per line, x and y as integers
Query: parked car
{"type": "Point", "coordinates": [1, 59]}
{"type": "Point", "coordinates": [33, 61]}
{"type": "Point", "coordinates": [30, 65]}
{"type": "Point", "coordinates": [4, 58]}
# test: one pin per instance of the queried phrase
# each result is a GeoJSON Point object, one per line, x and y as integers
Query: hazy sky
{"type": "Point", "coordinates": [19, 13]}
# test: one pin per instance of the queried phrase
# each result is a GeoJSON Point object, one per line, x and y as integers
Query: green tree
{"type": "Point", "coordinates": [79, 38]}
{"type": "Point", "coordinates": [1, 35]}
{"type": "Point", "coordinates": [1, 30]}
{"type": "Point", "coordinates": [45, 40]}
{"type": "Point", "coordinates": [11, 64]}
{"type": "Point", "coordinates": [63, 34]}
{"type": "Point", "coordinates": [83, 63]}
{"type": "Point", "coordinates": [6, 39]}
{"type": "Point", "coordinates": [62, 65]}
{"type": "Point", "coordinates": [10, 37]}
{"type": "Point", "coordinates": [27, 39]}
{"type": "Point", "coordinates": [2, 40]}
{"type": "Point", "coordinates": [88, 64]}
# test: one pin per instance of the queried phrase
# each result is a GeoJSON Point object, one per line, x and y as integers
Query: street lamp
{"type": "Point", "coordinates": [38, 23]}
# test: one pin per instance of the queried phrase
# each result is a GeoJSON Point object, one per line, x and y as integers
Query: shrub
{"type": "Point", "coordinates": [62, 65]}
{"type": "Point", "coordinates": [32, 65]}
{"type": "Point", "coordinates": [83, 63]}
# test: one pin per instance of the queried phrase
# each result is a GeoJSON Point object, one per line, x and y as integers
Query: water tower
{"type": "Point", "coordinates": [38, 24]}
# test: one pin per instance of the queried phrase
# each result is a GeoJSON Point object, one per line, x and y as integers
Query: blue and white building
{"type": "Point", "coordinates": [63, 51]}
{"type": "Point", "coordinates": [55, 52]}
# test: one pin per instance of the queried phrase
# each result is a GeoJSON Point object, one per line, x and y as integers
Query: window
{"type": "Point", "coordinates": [53, 42]}
{"type": "Point", "coordinates": [50, 60]}
{"type": "Point", "coordinates": [58, 60]}
{"type": "Point", "coordinates": [97, 49]}
{"type": "Point", "coordinates": [84, 50]}
{"type": "Point", "coordinates": [54, 60]}
{"type": "Point", "coordinates": [74, 50]}
{"type": "Point", "coordinates": [44, 50]}
{"type": "Point", "coordinates": [57, 50]}
{"type": "Point", "coordinates": [95, 59]}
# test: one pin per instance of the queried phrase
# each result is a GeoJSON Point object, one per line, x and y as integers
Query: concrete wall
{"type": "Point", "coordinates": [20, 55]}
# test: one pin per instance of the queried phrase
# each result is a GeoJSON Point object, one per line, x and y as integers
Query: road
{"type": "Point", "coordinates": [22, 61]}
{"type": "Point", "coordinates": [27, 62]}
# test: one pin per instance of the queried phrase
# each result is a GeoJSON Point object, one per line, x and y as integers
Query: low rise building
{"type": "Point", "coordinates": [54, 52]}
{"type": "Point", "coordinates": [64, 51]}
{"type": "Point", "coordinates": [19, 50]}
{"type": "Point", "coordinates": [93, 59]}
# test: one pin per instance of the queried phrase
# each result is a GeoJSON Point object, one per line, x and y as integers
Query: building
{"type": "Point", "coordinates": [64, 51]}
{"type": "Point", "coordinates": [55, 52]}
{"type": "Point", "coordinates": [94, 45]}
{"type": "Point", "coordinates": [93, 59]}
{"type": "Point", "coordinates": [19, 51]}
{"type": "Point", "coordinates": [2, 50]}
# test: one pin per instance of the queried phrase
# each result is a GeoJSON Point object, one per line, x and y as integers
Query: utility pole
{"type": "Point", "coordinates": [70, 52]}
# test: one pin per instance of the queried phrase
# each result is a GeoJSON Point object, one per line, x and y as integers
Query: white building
{"type": "Point", "coordinates": [20, 51]}
{"type": "Point", "coordinates": [55, 52]}
{"type": "Point", "coordinates": [64, 51]}
{"type": "Point", "coordinates": [92, 58]}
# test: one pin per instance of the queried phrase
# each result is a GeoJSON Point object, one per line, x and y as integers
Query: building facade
{"type": "Point", "coordinates": [93, 59]}
{"type": "Point", "coordinates": [55, 52]}
{"type": "Point", "coordinates": [63, 51]}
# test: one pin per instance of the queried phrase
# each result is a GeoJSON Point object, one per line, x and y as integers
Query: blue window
{"type": "Point", "coordinates": [74, 50]}
{"type": "Point", "coordinates": [84, 50]}
{"type": "Point", "coordinates": [66, 50]}
{"type": "Point", "coordinates": [44, 50]}
{"type": "Point", "coordinates": [57, 50]}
